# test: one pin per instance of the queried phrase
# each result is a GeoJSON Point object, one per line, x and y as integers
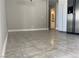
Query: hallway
{"type": "Point", "coordinates": [42, 44]}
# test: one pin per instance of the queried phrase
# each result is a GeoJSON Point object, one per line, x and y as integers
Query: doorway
{"type": "Point", "coordinates": [52, 14]}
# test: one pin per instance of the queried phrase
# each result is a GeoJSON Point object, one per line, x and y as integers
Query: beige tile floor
{"type": "Point", "coordinates": [42, 44]}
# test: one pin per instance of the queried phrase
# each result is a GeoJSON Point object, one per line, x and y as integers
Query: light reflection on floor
{"type": "Point", "coordinates": [42, 44]}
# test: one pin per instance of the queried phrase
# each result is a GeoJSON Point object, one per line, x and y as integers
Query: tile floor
{"type": "Point", "coordinates": [42, 44]}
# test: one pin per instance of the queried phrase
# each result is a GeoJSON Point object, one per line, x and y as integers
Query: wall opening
{"type": "Point", "coordinates": [52, 14]}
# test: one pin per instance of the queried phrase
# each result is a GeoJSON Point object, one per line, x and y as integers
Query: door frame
{"type": "Point", "coordinates": [50, 15]}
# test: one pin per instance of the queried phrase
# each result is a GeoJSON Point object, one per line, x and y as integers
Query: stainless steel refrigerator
{"type": "Point", "coordinates": [73, 16]}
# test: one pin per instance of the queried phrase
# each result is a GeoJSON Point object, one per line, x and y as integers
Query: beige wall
{"type": "Point", "coordinates": [24, 14]}
{"type": "Point", "coordinates": [3, 28]}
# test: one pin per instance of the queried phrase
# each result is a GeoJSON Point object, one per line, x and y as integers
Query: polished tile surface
{"type": "Point", "coordinates": [42, 44]}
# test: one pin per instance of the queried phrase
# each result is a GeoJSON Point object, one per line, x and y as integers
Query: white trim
{"type": "Point", "coordinates": [17, 30]}
{"type": "Point", "coordinates": [4, 46]}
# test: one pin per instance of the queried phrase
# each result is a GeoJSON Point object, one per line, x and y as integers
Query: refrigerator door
{"type": "Point", "coordinates": [70, 23]}
{"type": "Point", "coordinates": [77, 17]}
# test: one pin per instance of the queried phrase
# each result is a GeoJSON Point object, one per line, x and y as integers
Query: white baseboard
{"type": "Point", "coordinates": [4, 47]}
{"type": "Point", "coordinates": [17, 30]}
